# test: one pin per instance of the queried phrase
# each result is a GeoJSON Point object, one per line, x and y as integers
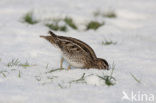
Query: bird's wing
{"type": "Point", "coordinates": [73, 45]}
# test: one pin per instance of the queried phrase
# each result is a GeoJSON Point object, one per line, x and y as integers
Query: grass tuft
{"type": "Point", "coordinates": [107, 14]}
{"type": "Point", "coordinates": [109, 79]}
{"type": "Point", "coordinates": [3, 73]}
{"type": "Point", "coordinates": [28, 18]}
{"type": "Point", "coordinates": [63, 28]}
{"type": "Point", "coordinates": [94, 25]}
{"type": "Point", "coordinates": [63, 86]}
{"type": "Point", "coordinates": [51, 77]}
{"type": "Point", "coordinates": [53, 26]}
{"type": "Point", "coordinates": [53, 70]}
{"type": "Point", "coordinates": [110, 14]}
{"type": "Point", "coordinates": [137, 80]}
{"type": "Point", "coordinates": [60, 85]}
{"type": "Point", "coordinates": [108, 42]}
{"type": "Point", "coordinates": [14, 62]}
{"type": "Point", "coordinates": [56, 27]}
{"type": "Point", "coordinates": [19, 74]}
{"type": "Point", "coordinates": [25, 65]}
{"type": "Point", "coordinates": [80, 80]}
{"type": "Point", "coordinates": [69, 21]}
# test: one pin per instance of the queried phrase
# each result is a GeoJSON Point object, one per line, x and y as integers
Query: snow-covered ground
{"type": "Point", "coordinates": [135, 52]}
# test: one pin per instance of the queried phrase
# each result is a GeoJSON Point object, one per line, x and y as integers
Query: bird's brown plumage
{"type": "Point", "coordinates": [76, 52]}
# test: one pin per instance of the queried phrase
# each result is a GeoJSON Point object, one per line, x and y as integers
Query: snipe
{"type": "Point", "coordinates": [76, 53]}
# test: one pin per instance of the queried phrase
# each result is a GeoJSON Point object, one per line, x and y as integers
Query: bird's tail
{"type": "Point", "coordinates": [52, 34]}
{"type": "Point", "coordinates": [52, 38]}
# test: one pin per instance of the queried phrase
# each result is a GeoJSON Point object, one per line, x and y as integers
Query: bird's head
{"type": "Point", "coordinates": [101, 64]}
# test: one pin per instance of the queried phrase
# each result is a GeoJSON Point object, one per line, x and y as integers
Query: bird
{"type": "Point", "coordinates": [76, 52]}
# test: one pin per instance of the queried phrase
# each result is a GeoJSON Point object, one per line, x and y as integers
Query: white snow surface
{"type": "Point", "coordinates": [134, 30]}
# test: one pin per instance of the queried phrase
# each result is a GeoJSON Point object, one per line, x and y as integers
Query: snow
{"type": "Point", "coordinates": [135, 51]}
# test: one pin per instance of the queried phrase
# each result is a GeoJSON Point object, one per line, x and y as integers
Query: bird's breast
{"type": "Point", "coordinates": [75, 60]}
